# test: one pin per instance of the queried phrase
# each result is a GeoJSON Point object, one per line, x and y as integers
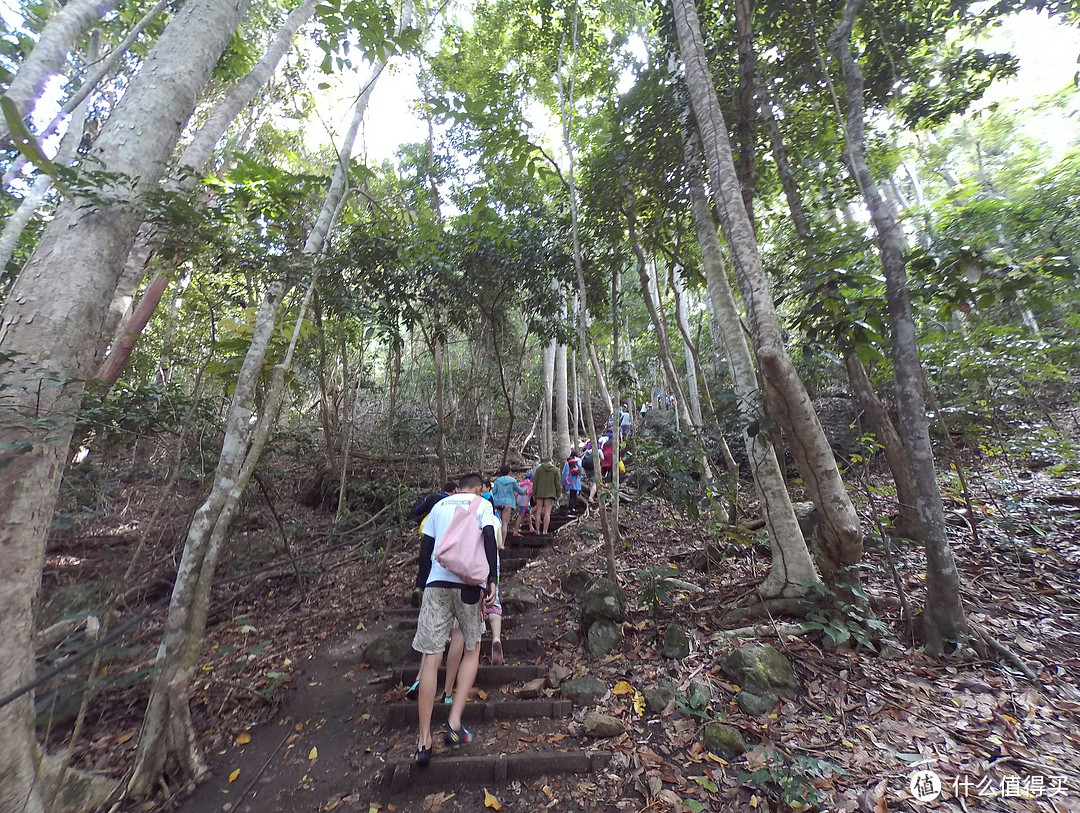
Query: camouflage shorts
{"type": "Point", "coordinates": [440, 607]}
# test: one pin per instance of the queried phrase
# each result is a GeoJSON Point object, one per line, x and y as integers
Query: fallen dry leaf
{"type": "Point", "coordinates": [243, 738]}
{"type": "Point", "coordinates": [313, 754]}
{"type": "Point", "coordinates": [492, 802]}
{"type": "Point", "coordinates": [233, 775]}
{"type": "Point", "coordinates": [622, 687]}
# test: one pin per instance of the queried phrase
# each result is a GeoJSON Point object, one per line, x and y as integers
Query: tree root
{"type": "Point", "coordinates": [1010, 657]}
{"type": "Point", "coordinates": [769, 607]}
{"type": "Point", "coordinates": [767, 631]}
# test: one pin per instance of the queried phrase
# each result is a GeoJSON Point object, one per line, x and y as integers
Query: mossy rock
{"type": "Point", "coordinates": [761, 670]}
{"type": "Point", "coordinates": [756, 705]}
{"type": "Point", "coordinates": [576, 582]}
{"type": "Point", "coordinates": [676, 643]}
{"type": "Point", "coordinates": [603, 638]}
{"type": "Point", "coordinates": [585, 691]}
{"type": "Point", "coordinates": [659, 698]}
{"type": "Point", "coordinates": [603, 600]}
{"type": "Point", "coordinates": [389, 648]}
{"type": "Point", "coordinates": [725, 741]}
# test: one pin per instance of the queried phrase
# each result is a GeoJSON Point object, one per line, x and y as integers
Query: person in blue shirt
{"type": "Point", "coordinates": [504, 493]}
{"type": "Point", "coordinates": [571, 481]}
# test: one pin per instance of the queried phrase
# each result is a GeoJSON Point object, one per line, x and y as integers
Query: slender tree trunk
{"type": "Point", "coordinates": [50, 326]}
{"type": "Point", "coordinates": [688, 350]}
{"type": "Point", "coordinates": [562, 411]}
{"type": "Point", "coordinates": [840, 541]}
{"type": "Point", "coordinates": [50, 53]}
{"type": "Point", "coordinates": [577, 399]}
{"type": "Point", "coordinates": [440, 400]}
{"type": "Point", "coordinates": [190, 168]}
{"type": "Point", "coordinates": [657, 316]}
{"type": "Point", "coordinates": [943, 616]}
{"type": "Point", "coordinates": [616, 431]}
{"type": "Point", "coordinates": [546, 444]}
{"type": "Point", "coordinates": [907, 521]}
{"type": "Point", "coordinates": [792, 568]}
{"type": "Point", "coordinates": [167, 747]}
{"type": "Point", "coordinates": [746, 125]}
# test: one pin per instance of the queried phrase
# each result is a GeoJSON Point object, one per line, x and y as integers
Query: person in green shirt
{"type": "Point", "coordinates": [546, 489]}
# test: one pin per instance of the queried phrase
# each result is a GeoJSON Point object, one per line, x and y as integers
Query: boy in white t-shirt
{"type": "Point", "coordinates": [446, 599]}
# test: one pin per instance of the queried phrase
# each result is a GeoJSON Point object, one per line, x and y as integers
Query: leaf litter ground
{"type": "Point", "coordinates": [290, 714]}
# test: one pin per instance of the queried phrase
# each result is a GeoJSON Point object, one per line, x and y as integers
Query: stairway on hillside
{"type": "Point", "coordinates": [504, 697]}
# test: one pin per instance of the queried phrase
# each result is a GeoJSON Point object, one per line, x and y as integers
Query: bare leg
{"type": "Point", "coordinates": [496, 639]}
{"type": "Point", "coordinates": [545, 516]}
{"type": "Point", "coordinates": [466, 676]}
{"type": "Point", "coordinates": [453, 659]}
{"type": "Point", "coordinates": [429, 675]}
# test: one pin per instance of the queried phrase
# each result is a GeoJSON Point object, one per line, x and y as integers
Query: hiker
{"type": "Point", "coordinates": [571, 482]}
{"type": "Point", "coordinates": [524, 501]}
{"type": "Point", "coordinates": [449, 597]}
{"type": "Point", "coordinates": [625, 425]}
{"type": "Point", "coordinates": [588, 468]}
{"type": "Point", "coordinates": [546, 489]}
{"type": "Point", "coordinates": [607, 454]}
{"type": "Point", "coordinates": [504, 493]}
{"type": "Point", "coordinates": [422, 508]}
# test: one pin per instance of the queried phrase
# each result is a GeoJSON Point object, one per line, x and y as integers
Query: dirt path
{"type": "Point", "coordinates": [343, 738]}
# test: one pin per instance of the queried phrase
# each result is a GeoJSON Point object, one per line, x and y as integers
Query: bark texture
{"type": "Point", "coordinates": [840, 542]}
{"type": "Point", "coordinates": [943, 615]}
{"type": "Point", "coordinates": [50, 53]}
{"type": "Point", "coordinates": [50, 326]}
{"type": "Point", "coordinates": [792, 565]}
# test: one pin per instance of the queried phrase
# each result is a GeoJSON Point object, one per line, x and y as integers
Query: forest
{"type": "Point", "coordinates": [824, 256]}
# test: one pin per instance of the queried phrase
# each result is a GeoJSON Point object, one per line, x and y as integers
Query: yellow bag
{"type": "Point", "coordinates": [622, 467]}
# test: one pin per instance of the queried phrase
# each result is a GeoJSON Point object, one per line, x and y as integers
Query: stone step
{"type": "Point", "coordinates": [448, 771]}
{"type": "Point", "coordinates": [477, 711]}
{"type": "Point", "coordinates": [529, 541]}
{"type": "Point", "coordinates": [486, 675]}
{"type": "Point", "coordinates": [511, 646]}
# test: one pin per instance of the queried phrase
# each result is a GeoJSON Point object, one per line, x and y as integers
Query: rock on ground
{"type": "Point", "coordinates": [603, 725]}
{"type": "Point", "coordinates": [584, 691]}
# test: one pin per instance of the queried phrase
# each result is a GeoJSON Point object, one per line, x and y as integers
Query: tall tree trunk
{"type": "Point", "coordinates": [792, 568]}
{"type": "Point", "coordinates": [746, 126]}
{"type": "Point", "coordinates": [562, 410]}
{"type": "Point", "coordinates": [102, 68]}
{"type": "Point", "coordinates": [50, 53]}
{"type": "Point", "coordinates": [566, 101]}
{"type": "Point", "coordinates": [577, 399]}
{"type": "Point", "coordinates": [943, 616]}
{"type": "Point", "coordinates": [190, 168]}
{"type": "Point", "coordinates": [546, 444]}
{"type": "Point", "coordinates": [840, 541]}
{"type": "Point", "coordinates": [869, 402]}
{"type": "Point", "coordinates": [167, 747]}
{"type": "Point", "coordinates": [440, 399]}
{"type": "Point", "coordinates": [616, 431]}
{"type": "Point", "coordinates": [50, 326]}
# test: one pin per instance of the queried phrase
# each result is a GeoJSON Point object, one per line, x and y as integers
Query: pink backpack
{"type": "Point", "coordinates": [461, 549]}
